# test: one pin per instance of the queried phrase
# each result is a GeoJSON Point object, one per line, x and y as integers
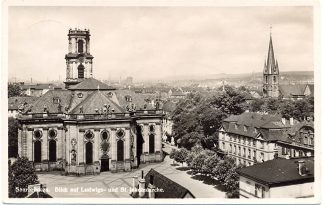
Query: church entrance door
{"type": "Point", "coordinates": [104, 165]}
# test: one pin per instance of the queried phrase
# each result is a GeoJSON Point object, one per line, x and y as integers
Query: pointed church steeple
{"type": "Point", "coordinates": [271, 73]}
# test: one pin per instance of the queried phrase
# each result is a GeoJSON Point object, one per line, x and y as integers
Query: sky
{"type": "Point", "coordinates": [151, 43]}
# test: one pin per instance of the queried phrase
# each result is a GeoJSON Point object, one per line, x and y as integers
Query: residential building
{"type": "Point", "coordinates": [253, 138]}
{"type": "Point", "coordinates": [38, 89]}
{"type": "Point", "coordinates": [278, 178]}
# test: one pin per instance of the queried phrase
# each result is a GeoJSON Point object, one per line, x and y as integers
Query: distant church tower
{"type": "Point", "coordinates": [271, 74]}
{"type": "Point", "coordinates": [78, 59]}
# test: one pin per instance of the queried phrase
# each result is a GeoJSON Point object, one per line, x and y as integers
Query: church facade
{"type": "Point", "coordinates": [89, 127]}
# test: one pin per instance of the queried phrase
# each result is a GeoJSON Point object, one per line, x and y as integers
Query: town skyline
{"type": "Point", "coordinates": [130, 43]}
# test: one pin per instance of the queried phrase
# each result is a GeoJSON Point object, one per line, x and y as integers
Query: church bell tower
{"type": "Point", "coordinates": [78, 59]}
{"type": "Point", "coordinates": [271, 74]}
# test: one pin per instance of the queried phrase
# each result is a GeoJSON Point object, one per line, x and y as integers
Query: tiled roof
{"type": "Point", "coordinates": [290, 90]}
{"type": "Point", "coordinates": [136, 98]}
{"type": "Point", "coordinates": [249, 123]}
{"type": "Point", "coordinates": [47, 100]}
{"type": "Point", "coordinates": [38, 86]}
{"type": "Point", "coordinates": [15, 102]}
{"type": "Point", "coordinates": [171, 188]}
{"type": "Point", "coordinates": [279, 171]}
{"type": "Point", "coordinates": [96, 100]}
{"type": "Point", "coordinates": [91, 84]}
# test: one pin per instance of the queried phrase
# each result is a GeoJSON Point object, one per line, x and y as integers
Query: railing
{"type": "Point", "coordinates": [82, 116]}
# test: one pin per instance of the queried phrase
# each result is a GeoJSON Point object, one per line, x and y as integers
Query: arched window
{"type": "Point", "coordinates": [52, 150]}
{"type": "Point", "coordinates": [80, 46]}
{"type": "Point", "coordinates": [37, 151]}
{"type": "Point", "coordinates": [274, 79]}
{"type": "Point", "coordinates": [120, 150]}
{"type": "Point", "coordinates": [151, 143]}
{"type": "Point", "coordinates": [80, 71]}
{"type": "Point", "coordinates": [88, 153]}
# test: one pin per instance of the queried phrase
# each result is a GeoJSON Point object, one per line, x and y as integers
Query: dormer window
{"type": "Point", "coordinates": [245, 128]}
{"type": "Point", "coordinates": [235, 125]}
{"type": "Point", "coordinates": [110, 94]}
{"type": "Point", "coordinates": [255, 130]}
{"type": "Point", "coordinates": [56, 100]}
{"type": "Point", "coordinates": [128, 98]}
{"type": "Point", "coordinates": [80, 95]}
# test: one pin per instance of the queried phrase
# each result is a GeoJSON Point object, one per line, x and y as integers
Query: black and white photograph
{"type": "Point", "coordinates": [190, 103]}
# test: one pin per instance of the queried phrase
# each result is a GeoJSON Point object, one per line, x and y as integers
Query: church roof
{"type": "Point", "coordinates": [91, 84]}
{"type": "Point", "coordinates": [96, 100]}
{"type": "Point", "coordinates": [15, 102]}
{"type": "Point", "coordinates": [135, 98]}
{"type": "Point", "coordinates": [49, 100]}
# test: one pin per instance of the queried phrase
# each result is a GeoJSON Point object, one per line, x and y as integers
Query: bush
{"type": "Point", "coordinates": [21, 174]}
{"type": "Point", "coordinates": [181, 155]}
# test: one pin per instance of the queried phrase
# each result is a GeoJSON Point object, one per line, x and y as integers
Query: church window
{"type": "Point", "coordinates": [88, 153]}
{"type": "Point", "coordinates": [110, 94]}
{"type": "Point", "coordinates": [37, 134]}
{"type": "Point", "coordinates": [104, 135]}
{"type": "Point", "coordinates": [151, 143]}
{"type": "Point", "coordinates": [151, 128]}
{"type": "Point", "coordinates": [120, 150]}
{"type": "Point", "coordinates": [120, 133]}
{"type": "Point", "coordinates": [274, 79]}
{"type": "Point", "coordinates": [52, 133]}
{"type": "Point", "coordinates": [80, 46]}
{"type": "Point", "coordinates": [80, 71]}
{"type": "Point", "coordinates": [52, 150]}
{"type": "Point", "coordinates": [89, 135]}
{"type": "Point", "coordinates": [37, 151]}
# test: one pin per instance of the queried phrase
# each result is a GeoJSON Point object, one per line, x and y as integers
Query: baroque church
{"type": "Point", "coordinates": [89, 127]}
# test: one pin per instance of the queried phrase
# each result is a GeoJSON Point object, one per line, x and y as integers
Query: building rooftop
{"type": "Point", "coordinates": [170, 188]}
{"type": "Point", "coordinates": [279, 172]}
{"type": "Point", "coordinates": [91, 84]}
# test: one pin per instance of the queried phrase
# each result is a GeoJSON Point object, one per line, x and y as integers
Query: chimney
{"type": "Point", "coordinates": [141, 186]}
{"type": "Point", "coordinates": [135, 182]}
{"type": "Point", "coordinates": [302, 168]}
{"type": "Point", "coordinates": [151, 187]}
{"type": "Point", "coordinates": [291, 121]}
{"type": "Point", "coordinates": [283, 120]}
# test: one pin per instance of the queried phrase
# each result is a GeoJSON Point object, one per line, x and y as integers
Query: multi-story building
{"type": "Point", "coordinates": [278, 178]}
{"type": "Point", "coordinates": [89, 127]}
{"type": "Point", "coordinates": [253, 138]}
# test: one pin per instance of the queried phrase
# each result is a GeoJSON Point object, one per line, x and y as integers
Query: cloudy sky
{"type": "Point", "coordinates": [157, 42]}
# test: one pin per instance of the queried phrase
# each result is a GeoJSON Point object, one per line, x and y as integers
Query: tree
{"type": "Point", "coordinates": [181, 155]}
{"type": "Point", "coordinates": [222, 169]}
{"type": "Point", "coordinates": [172, 154]}
{"type": "Point", "coordinates": [12, 137]}
{"type": "Point", "coordinates": [198, 162]}
{"type": "Point", "coordinates": [21, 174]}
{"type": "Point", "coordinates": [14, 90]}
{"type": "Point", "coordinates": [210, 163]}
{"type": "Point", "coordinates": [230, 102]}
{"type": "Point", "coordinates": [256, 105]}
{"type": "Point", "coordinates": [232, 183]}
{"type": "Point", "coordinates": [191, 155]}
